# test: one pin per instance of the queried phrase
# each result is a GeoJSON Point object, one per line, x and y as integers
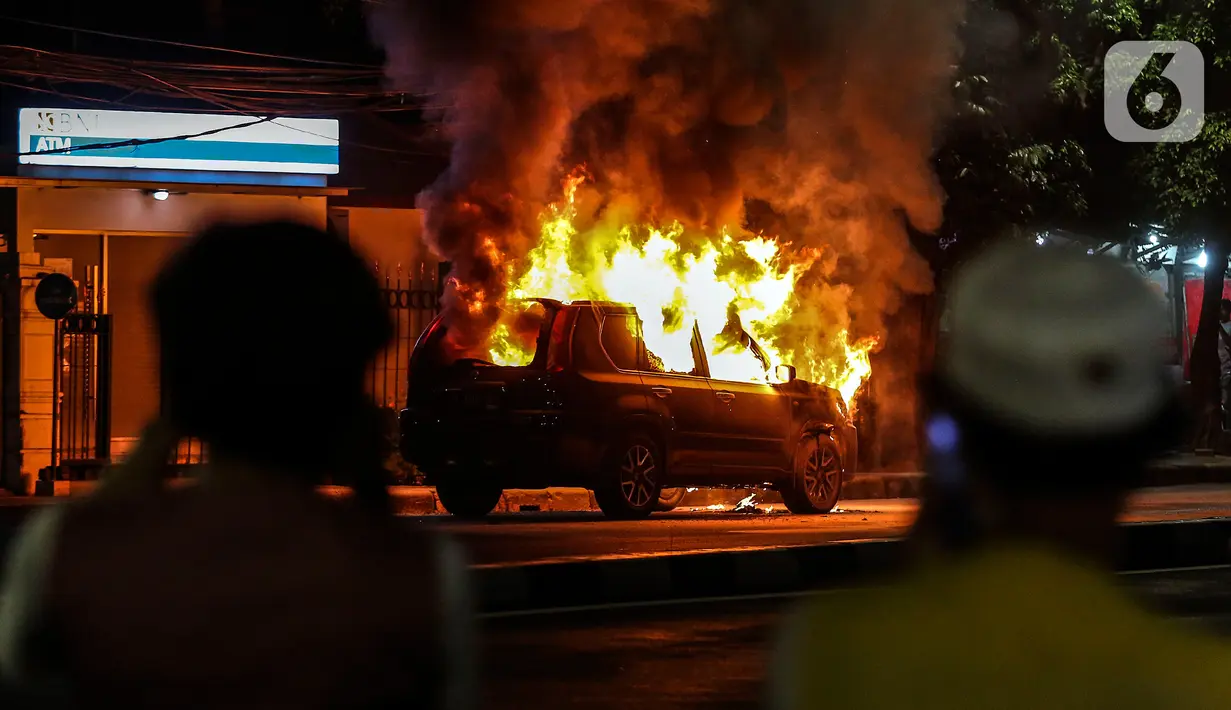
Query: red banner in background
{"type": "Point", "coordinates": [1193, 291]}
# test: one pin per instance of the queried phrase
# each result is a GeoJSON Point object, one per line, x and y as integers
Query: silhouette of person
{"type": "Point", "coordinates": [1047, 404]}
{"type": "Point", "coordinates": [247, 588]}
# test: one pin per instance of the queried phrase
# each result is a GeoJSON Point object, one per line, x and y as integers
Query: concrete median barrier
{"type": "Point", "coordinates": [1189, 469]}
{"type": "Point", "coordinates": [414, 500]}
{"type": "Point", "coordinates": [1145, 546]}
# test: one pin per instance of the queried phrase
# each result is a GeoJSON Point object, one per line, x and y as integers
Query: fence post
{"type": "Point", "coordinates": [102, 414]}
{"type": "Point", "coordinates": [57, 350]}
{"type": "Point", "coordinates": [442, 275]}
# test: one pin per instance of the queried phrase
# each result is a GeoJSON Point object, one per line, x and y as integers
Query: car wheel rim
{"type": "Point", "coordinates": [821, 474]}
{"type": "Point", "coordinates": [637, 476]}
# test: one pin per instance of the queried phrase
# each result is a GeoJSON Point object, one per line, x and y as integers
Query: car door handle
{"type": "Point", "coordinates": [662, 392]}
{"type": "Point", "coordinates": [724, 396]}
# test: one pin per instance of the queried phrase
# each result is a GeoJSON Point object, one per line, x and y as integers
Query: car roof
{"type": "Point", "coordinates": [609, 307]}
{"type": "Point", "coordinates": [549, 302]}
{"type": "Point", "coordinates": [612, 307]}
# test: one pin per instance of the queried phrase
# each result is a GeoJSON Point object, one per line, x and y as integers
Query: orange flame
{"type": "Point", "coordinates": [749, 280]}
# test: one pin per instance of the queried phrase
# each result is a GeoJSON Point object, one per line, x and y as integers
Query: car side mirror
{"type": "Point", "coordinates": [785, 373]}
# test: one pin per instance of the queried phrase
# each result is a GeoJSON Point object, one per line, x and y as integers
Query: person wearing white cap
{"type": "Point", "coordinates": [1224, 359]}
{"type": "Point", "coordinates": [1046, 404]}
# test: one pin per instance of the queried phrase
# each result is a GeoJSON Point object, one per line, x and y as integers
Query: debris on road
{"type": "Point", "coordinates": [747, 505]}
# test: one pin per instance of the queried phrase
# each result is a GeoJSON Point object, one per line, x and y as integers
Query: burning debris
{"type": "Point", "coordinates": [746, 505]}
{"type": "Point", "coordinates": [740, 157]}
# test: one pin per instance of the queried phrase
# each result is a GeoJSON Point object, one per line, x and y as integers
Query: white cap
{"type": "Point", "coordinates": [1054, 341]}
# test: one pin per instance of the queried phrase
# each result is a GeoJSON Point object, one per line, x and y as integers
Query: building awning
{"type": "Point", "coordinates": [173, 187]}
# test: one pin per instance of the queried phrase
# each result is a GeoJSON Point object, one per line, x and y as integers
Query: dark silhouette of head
{"type": "Point", "coordinates": [1225, 311]}
{"type": "Point", "coordinates": [265, 331]}
{"type": "Point", "coordinates": [1049, 399]}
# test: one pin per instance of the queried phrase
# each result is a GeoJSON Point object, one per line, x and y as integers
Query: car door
{"type": "Point", "coordinates": [684, 401]}
{"type": "Point", "coordinates": [756, 421]}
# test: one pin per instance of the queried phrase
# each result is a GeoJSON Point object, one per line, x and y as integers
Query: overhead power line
{"type": "Point", "coordinates": [134, 142]}
{"type": "Point", "coordinates": [251, 91]}
{"type": "Point", "coordinates": [276, 89]}
{"type": "Point", "coordinates": [184, 45]}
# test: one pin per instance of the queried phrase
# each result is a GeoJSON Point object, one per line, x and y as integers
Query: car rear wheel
{"type": "Point", "coordinates": [631, 479]}
{"type": "Point", "coordinates": [669, 498]}
{"type": "Point", "coordinates": [816, 482]}
{"type": "Point", "coordinates": [465, 497]}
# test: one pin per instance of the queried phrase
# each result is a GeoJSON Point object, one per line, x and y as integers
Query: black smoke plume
{"type": "Point", "coordinates": [809, 119]}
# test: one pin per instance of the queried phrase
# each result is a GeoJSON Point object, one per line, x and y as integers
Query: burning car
{"type": "Point", "coordinates": [592, 407]}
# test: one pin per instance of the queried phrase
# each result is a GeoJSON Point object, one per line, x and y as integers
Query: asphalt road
{"type": "Point", "coordinates": [699, 656]}
{"type": "Point", "coordinates": [708, 655]}
{"type": "Point", "coordinates": [528, 538]}
{"type": "Point", "coordinates": [536, 538]}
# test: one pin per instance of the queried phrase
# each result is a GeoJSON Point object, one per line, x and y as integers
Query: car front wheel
{"type": "Point", "coordinates": [465, 497]}
{"type": "Point", "coordinates": [816, 481]}
{"type": "Point", "coordinates": [631, 479]}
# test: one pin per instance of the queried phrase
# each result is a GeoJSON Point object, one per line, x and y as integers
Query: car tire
{"type": "Point", "coordinates": [669, 498]}
{"type": "Point", "coordinates": [816, 480]}
{"type": "Point", "coordinates": [631, 478]}
{"type": "Point", "coordinates": [464, 497]}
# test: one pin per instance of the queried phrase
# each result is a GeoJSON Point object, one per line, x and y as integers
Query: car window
{"type": "Point", "coordinates": [737, 357]}
{"type": "Point", "coordinates": [658, 364]}
{"type": "Point", "coordinates": [525, 324]}
{"type": "Point", "coordinates": [587, 352]}
{"type": "Point", "coordinates": [558, 340]}
{"type": "Point", "coordinates": [619, 337]}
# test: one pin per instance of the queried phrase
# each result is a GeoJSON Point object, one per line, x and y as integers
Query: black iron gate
{"type": "Point", "coordinates": [81, 395]}
{"type": "Point", "coordinates": [81, 416]}
{"type": "Point", "coordinates": [413, 300]}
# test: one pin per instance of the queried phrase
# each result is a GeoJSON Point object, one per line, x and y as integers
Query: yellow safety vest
{"type": "Point", "coordinates": [1007, 628]}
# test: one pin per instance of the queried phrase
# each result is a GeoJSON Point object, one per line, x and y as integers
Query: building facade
{"type": "Point", "coordinates": [106, 197]}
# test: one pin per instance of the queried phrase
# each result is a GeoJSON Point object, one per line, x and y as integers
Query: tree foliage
{"type": "Point", "coordinates": [1027, 149]}
{"type": "Point", "coordinates": [1010, 160]}
{"type": "Point", "coordinates": [1031, 160]}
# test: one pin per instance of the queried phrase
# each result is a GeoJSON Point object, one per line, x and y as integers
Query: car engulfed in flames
{"type": "Point", "coordinates": [591, 406]}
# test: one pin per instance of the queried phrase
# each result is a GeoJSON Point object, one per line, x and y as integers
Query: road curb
{"type": "Point", "coordinates": [422, 500]}
{"type": "Point", "coordinates": [1146, 546]}
{"type": "Point", "coordinates": [860, 486]}
{"type": "Point", "coordinates": [1189, 473]}
{"type": "Point", "coordinates": [683, 576]}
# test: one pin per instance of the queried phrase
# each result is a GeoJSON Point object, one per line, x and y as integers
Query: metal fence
{"type": "Point", "coordinates": [81, 387]}
{"type": "Point", "coordinates": [414, 300]}
{"type": "Point", "coordinates": [82, 382]}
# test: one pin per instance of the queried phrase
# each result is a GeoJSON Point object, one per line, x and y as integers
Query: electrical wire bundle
{"type": "Point", "coordinates": [273, 86]}
{"type": "Point", "coordinates": [286, 90]}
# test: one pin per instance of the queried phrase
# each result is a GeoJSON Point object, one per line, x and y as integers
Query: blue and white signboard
{"type": "Point", "coordinates": [177, 141]}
